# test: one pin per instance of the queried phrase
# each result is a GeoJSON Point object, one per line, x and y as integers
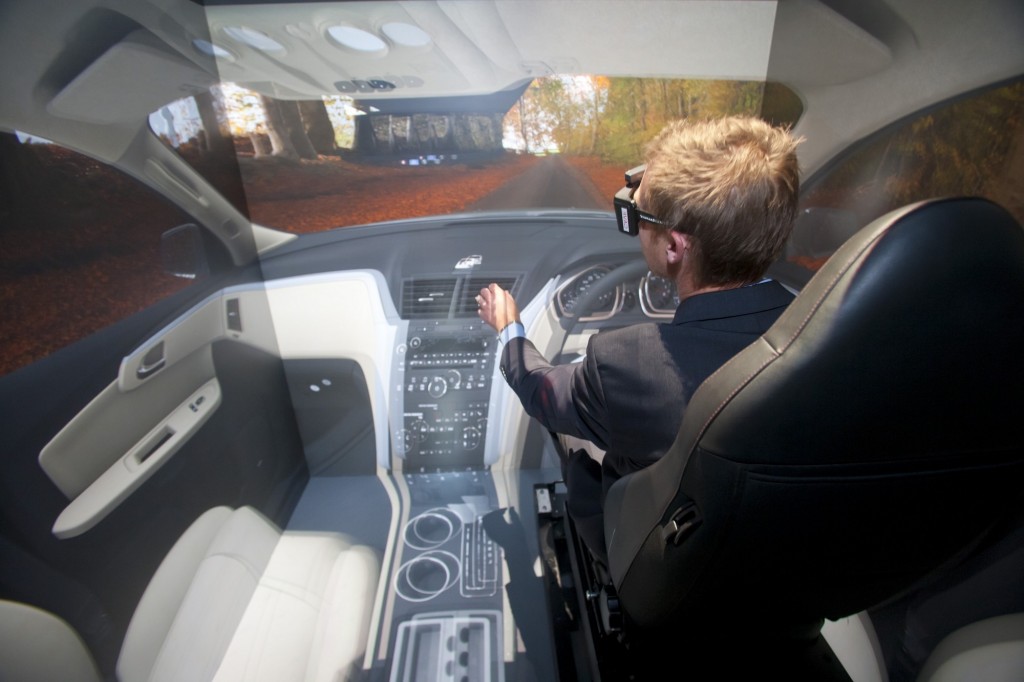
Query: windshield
{"type": "Point", "coordinates": [557, 142]}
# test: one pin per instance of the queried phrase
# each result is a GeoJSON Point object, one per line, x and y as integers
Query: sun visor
{"type": "Point", "coordinates": [816, 46]}
{"type": "Point", "coordinates": [140, 64]}
{"type": "Point", "coordinates": [706, 40]}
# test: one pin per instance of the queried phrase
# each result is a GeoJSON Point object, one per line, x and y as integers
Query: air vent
{"type": "Point", "coordinates": [472, 286]}
{"type": "Point", "coordinates": [427, 297]}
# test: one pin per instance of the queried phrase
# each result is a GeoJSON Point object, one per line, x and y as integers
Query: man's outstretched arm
{"type": "Point", "coordinates": [564, 398]}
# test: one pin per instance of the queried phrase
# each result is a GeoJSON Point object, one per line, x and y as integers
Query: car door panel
{"type": "Point", "coordinates": [141, 461]}
{"type": "Point", "coordinates": [116, 421]}
{"type": "Point", "coordinates": [165, 391]}
{"type": "Point", "coordinates": [180, 340]}
{"type": "Point", "coordinates": [167, 387]}
{"type": "Point", "coordinates": [247, 451]}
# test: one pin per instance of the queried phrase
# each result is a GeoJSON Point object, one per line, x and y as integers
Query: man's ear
{"type": "Point", "coordinates": [677, 245]}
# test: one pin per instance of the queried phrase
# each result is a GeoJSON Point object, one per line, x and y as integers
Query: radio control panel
{"type": "Point", "coordinates": [446, 385]}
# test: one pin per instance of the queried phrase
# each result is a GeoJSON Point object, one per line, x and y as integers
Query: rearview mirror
{"type": "Point", "coordinates": [182, 253]}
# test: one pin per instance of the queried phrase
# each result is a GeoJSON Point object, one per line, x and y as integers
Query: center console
{"type": "Point", "coordinates": [448, 621]}
{"type": "Point", "coordinates": [448, 582]}
{"type": "Point", "coordinates": [464, 594]}
{"type": "Point", "coordinates": [446, 369]}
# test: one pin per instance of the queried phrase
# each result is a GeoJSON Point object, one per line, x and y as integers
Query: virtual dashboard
{"type": "Point", "coordinates": [446, 377]}
{"type": "Point", "coordinates": [446, 365]}
{"type": "Point", "coordinates": [431, 365]}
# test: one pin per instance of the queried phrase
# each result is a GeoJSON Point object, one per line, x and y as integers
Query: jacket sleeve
{"type": "Point", "coordinates": [564, 398]}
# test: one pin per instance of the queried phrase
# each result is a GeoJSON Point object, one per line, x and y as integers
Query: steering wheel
{"type": "Point", "coordinates": [588, 301]}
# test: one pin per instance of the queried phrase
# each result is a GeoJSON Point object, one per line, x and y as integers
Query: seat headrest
{"type": "Point", "coordinates": [913, 329]}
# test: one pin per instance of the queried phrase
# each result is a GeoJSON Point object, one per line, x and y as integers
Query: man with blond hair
{"type": "Point", "coordinates": [712, 208]}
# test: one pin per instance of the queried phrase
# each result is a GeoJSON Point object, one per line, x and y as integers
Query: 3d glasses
{"type": "Point", "coordinates": [627, 214]}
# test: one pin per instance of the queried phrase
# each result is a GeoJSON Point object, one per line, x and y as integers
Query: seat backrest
{"type": "Point", "coordinates": [868, 437]}
{"type": "Point", "coordinates": [37, 646]}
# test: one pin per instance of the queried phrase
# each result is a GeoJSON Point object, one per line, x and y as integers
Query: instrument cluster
{"type": "Point", "coordinates": [656, 296]}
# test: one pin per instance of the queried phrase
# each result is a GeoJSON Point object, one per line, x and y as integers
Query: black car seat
{"type": "Point", "coordinates": [868, 439]}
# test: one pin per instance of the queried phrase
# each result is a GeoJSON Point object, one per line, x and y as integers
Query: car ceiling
{"type": "Point", "coordinates": [87, 73]}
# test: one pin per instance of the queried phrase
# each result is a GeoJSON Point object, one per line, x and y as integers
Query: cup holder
{"type": "Point", "coordinates": [426, 576]}
{"type": "Point", "coordinates": [432, 528]}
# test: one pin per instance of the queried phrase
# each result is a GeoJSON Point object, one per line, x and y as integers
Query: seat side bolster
{"type": "Point", "coordinates": [344, 624]}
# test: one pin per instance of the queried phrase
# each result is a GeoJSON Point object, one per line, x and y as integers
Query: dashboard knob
{"type": "Point", "coordinates": [437, 387]}
{"type": "Point", "coordinates": [418, 429]}
{"type": "Point", "coordinates": [470, 438]}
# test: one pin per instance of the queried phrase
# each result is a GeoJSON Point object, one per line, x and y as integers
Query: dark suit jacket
{"type": "Point", "coordinates": [629, 393]}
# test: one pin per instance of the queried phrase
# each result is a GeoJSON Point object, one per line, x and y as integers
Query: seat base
{"type": "Point", "coordinates": [595, 642]}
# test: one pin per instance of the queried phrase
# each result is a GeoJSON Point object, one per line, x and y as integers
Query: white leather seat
{"type": "Point", "coordinates": [237, 599]}
{"type": "Point", "coordinates": [990, 650]}
{"type": "Point", "coordinates": [37, 646]}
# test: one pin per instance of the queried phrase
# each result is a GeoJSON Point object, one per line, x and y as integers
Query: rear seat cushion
{"type": "Point", "coordinates": [237, 599]}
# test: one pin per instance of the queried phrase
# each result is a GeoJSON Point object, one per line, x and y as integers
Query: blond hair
{"type": "Point", "coordinates": [732, 185]}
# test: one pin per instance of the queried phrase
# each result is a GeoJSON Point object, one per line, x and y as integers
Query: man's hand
{"type": "Point", "coordinates": [496, 307]}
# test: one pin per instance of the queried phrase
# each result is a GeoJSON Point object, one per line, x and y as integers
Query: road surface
{"type": "Point", "coordinates": [552, 183]}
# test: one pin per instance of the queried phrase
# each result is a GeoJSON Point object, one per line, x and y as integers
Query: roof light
{"type": "Point", "coordinates": [255, 39]}
{"type": "Point", "coordinates": [356, 39]}
{"type": "Point", "coordinates": [211, 50]}
{"type": "Point", "coordinates": [406, 34]}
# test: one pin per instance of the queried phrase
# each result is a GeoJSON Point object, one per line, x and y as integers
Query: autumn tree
{"type": "Point", "coordinates": [284, 129]}
{"type": "Point", "coordinates": [296, 129]}
{"type": "Point", "coordinates": [959, 149]}
{"type": "Point", "coordinates": [217, 136]}
{"type": "Point", "coordinates": [422, 134]}
{"type": "Point", "coordinates": [615, 117]}
{"type": "Point", "coordinates": [969, 147]}
{"type": "Point", "coordinates": [317, 125]}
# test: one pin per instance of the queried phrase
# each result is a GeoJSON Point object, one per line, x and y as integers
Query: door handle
{"type": "Point", "coordinates": [152, 362]}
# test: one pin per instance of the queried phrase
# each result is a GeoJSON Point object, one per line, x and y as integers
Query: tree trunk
{"type": "Point", "coordinates": [260, 145]}
{"type": "Point", "coordinates": [23, 180]}
{"type": "Point", "coordinates": [277, 130]}
{"type": "Point", "coordinates": [296, 129]}
{"type": "Point", "coordinates": [218, 137]}
{"type": "Point", "coordinates": [523, 124]}
{"type": "Point", "coordinates": [365, 137]}
{"type": "Point", "coordinates": [318, 126]}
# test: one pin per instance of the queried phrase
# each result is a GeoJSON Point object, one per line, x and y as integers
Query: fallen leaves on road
{"type": "Point", "coordinates": [313, 196]}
